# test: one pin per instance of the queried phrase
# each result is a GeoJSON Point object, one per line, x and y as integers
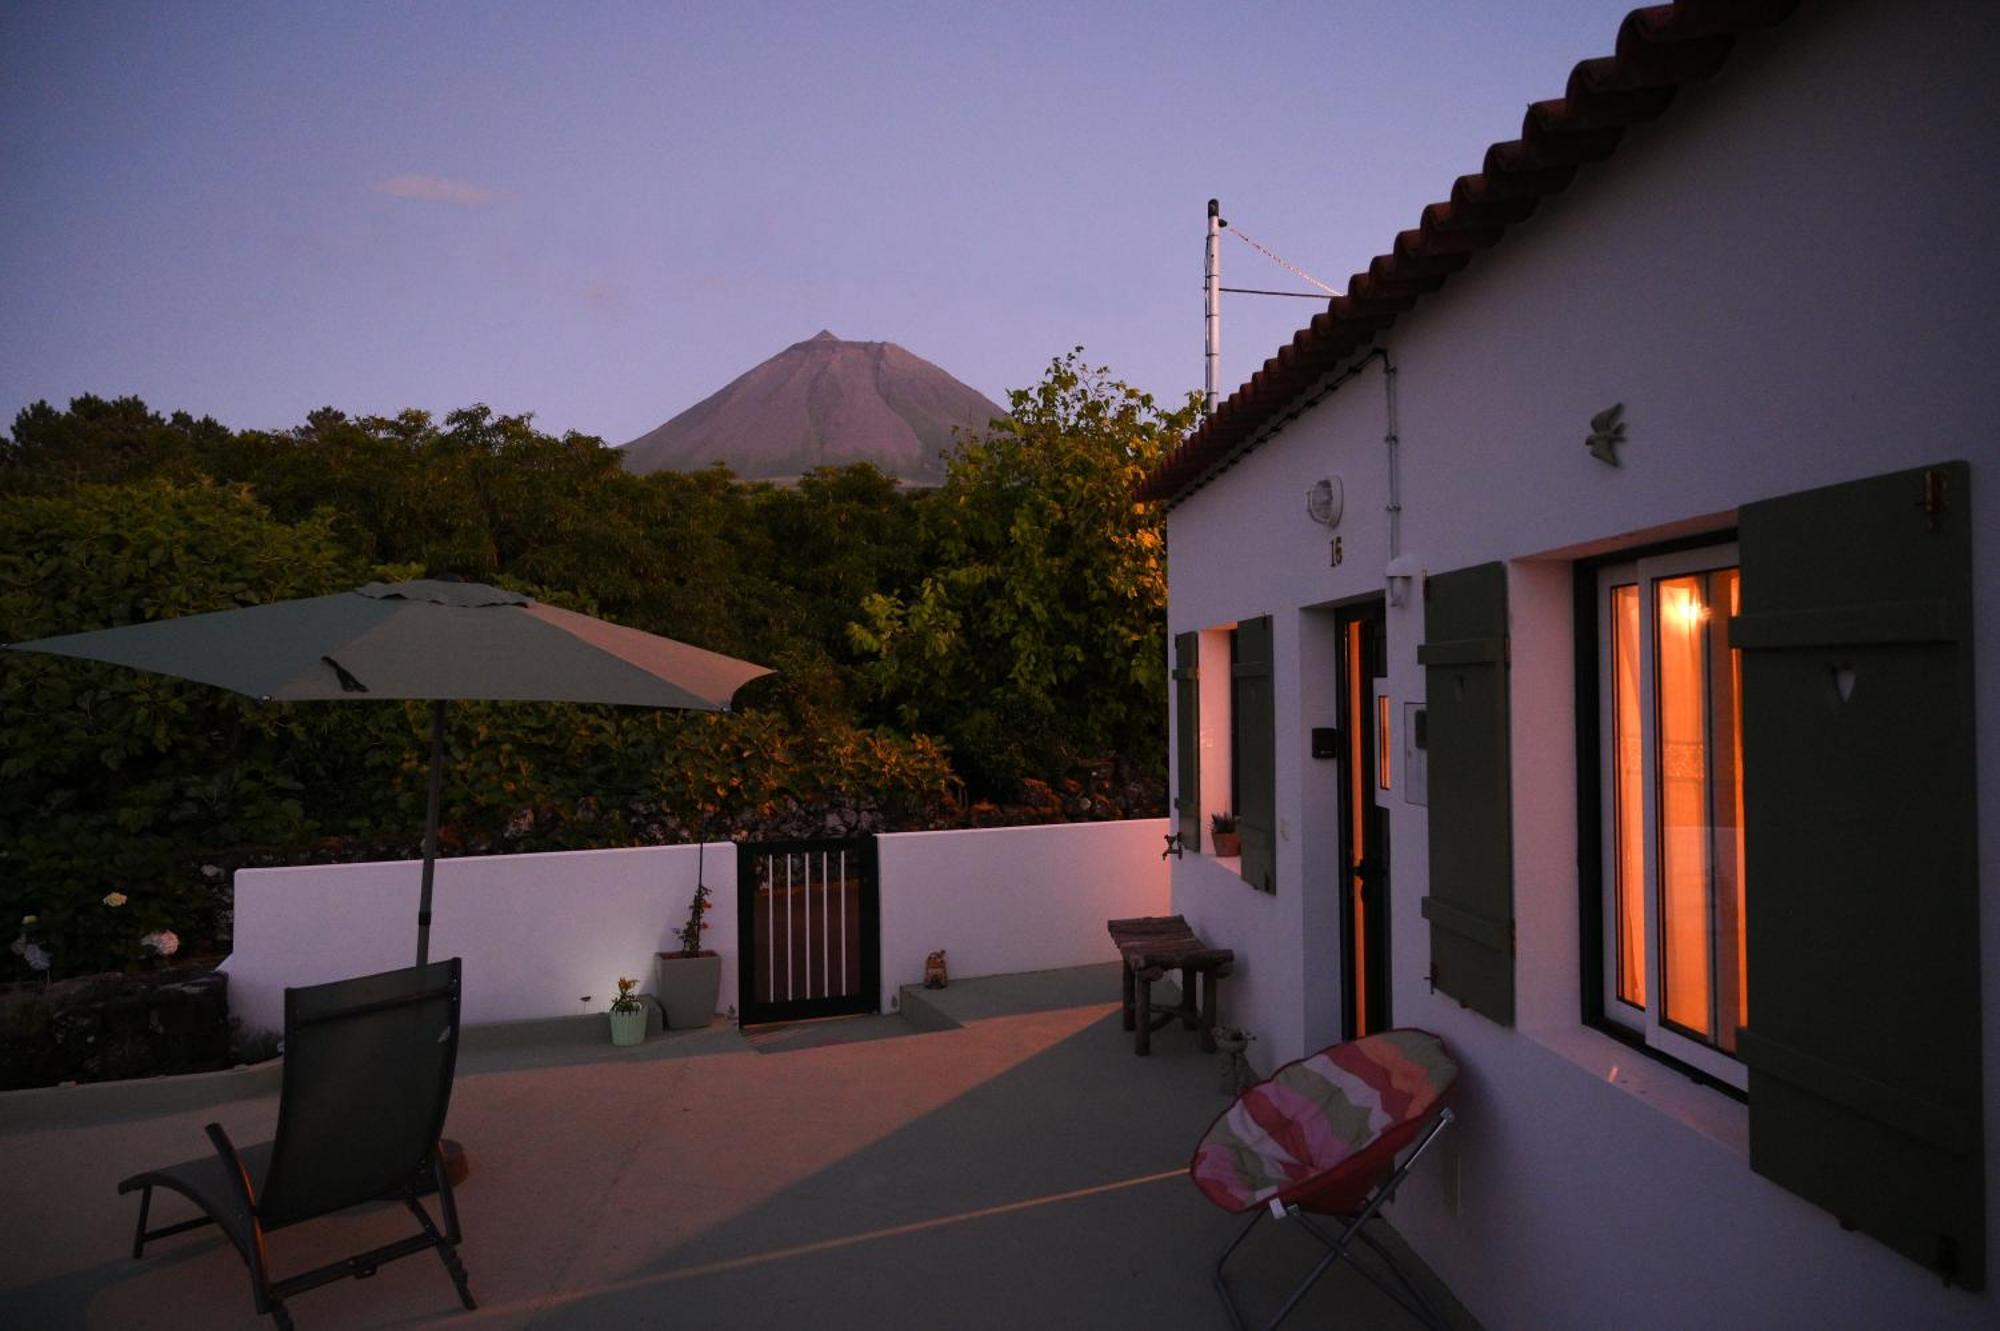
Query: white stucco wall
{"type": "Point", "coordinates": [1008, 899]}
{"type": "Point", "coordinates": [538, 932]}
{"type": "Point", "coordinates": [1785, 282]}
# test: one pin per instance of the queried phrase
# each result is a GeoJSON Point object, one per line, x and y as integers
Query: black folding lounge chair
{"type": "Point", "coordinates": [367, 1079]}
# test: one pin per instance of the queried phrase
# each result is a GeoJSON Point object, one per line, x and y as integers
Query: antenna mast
{"type": "Point", "coordinates": [1212, 301]}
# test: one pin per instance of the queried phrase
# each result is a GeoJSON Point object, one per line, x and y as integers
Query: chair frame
{"type": "Point", "coordinates": [249, 1230]}
{"type": "Point", "coordinates": [1353, 1229]}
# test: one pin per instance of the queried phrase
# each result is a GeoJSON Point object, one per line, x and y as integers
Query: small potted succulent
{"type": "Point", "coordinates": [1228, 843]}
{"type": "Point", "coordinates": [690, 980]}
{"type": "Point", "coordinates": [628, 1015]}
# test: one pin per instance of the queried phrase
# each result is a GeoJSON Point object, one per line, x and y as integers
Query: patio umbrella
{"type": "Point", "coordinates": [431, 639]}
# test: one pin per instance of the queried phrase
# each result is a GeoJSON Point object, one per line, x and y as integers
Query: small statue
{"type": "Point", "coordinates": [934, 972]}
{"type": "Point", "coordinates": [1237, 1074]}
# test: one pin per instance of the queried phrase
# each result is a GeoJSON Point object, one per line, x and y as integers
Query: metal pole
{"type": "Point", "coordinates": [431, 832]}
{"type": "Point", "coordinates": [1212, 302]}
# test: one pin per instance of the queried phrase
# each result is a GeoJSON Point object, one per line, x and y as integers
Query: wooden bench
{"type": "Point", "coordinates": [1152, 945]}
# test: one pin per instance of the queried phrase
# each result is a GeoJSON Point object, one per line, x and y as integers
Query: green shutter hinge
{"type": "Point", "coordinates": [1933, 503]}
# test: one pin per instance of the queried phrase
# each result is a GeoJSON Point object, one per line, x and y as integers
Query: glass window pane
{"type": "Point", "coordinates": [1628, 800]}
{"type": "Point", "coordinates": [1681, 616]}
{"type": "Point", "coordinates": [1725, 711]}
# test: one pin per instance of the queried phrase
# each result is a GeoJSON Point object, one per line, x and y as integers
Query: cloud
{"type": "Point", "coordinates": [437, 189]}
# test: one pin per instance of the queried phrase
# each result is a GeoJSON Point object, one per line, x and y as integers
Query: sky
{"type": "Point", "coordinates": [602, 213]}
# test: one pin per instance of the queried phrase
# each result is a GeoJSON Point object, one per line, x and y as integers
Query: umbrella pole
{"type": "Point", "coordinates": [431, 832]}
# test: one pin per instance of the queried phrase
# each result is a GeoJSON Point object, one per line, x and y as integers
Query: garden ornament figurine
{"type": "Point", "coordinates": [1237, 1075]}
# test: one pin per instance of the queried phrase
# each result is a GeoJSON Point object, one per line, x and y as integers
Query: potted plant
{"type": "Point", "coordinates": [690, 980]}
{"type": "Point", "coordinates": [628, 1015]}
{"type": "Point", "coordinates": [1228, 844]}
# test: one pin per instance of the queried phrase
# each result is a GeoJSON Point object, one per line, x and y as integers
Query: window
{"type": "Point", "coordinates": [1227, 746]}
{"type": "Point", "coordinates": [1676, 965]}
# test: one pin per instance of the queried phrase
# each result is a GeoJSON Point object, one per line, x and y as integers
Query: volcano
{"type": "Point", "coordinates": [823, 402]}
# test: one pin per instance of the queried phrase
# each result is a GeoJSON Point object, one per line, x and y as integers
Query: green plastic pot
{"type": "Point", "coordinates": [629, 1027]}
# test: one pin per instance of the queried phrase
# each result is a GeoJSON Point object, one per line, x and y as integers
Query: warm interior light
{"type": "Point", "coordinates": [1357, 795]}
{"type": "Point", "coordinates": [1382, 740]}
{"type": "Point", "coordinates": [1684, 822]}
{"type": "Point", "coordinates": [1701, 887]}
{"type": "Point", "coordinates": [1628, 799]}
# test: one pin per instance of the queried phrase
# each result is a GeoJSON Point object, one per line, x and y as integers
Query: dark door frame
{"type": "Point", "coordinates": [761, 866]}
{"type": "Point", "coordinates": [1364, 883]}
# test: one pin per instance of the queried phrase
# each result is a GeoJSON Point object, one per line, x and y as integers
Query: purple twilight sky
{"type": "Point", "coordinates": [602, 213]}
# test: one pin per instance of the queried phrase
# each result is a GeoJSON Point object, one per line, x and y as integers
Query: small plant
{"type": "Point", "coordinates": [690, 933]}
{"type": "Point", "coordinates": [627, 1001]}
{"type": "Point", "coordinates": [1222, 822]}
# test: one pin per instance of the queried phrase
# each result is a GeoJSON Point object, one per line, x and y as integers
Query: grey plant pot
{"type": "Point", "coordinates": [688, 988]}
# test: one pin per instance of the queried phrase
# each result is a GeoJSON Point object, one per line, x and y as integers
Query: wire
{"type": "Point", "coordinates": [1255, 291]}
{"type": "Point", "coordinates": [1291, 267]}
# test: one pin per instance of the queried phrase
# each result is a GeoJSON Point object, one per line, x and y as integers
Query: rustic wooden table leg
{"type": "Point", "coordinates": [1142, 1043]}
{"type": "Point", "coordinates": [1190, 1018]}
{"type": "Point", "coordinates": [1209, 982]}
{"type": "Point", "coordinates": [1125, 985]}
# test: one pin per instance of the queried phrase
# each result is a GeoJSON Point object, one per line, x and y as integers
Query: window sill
{"type": "Point", "coordinates": [1713, 1113]}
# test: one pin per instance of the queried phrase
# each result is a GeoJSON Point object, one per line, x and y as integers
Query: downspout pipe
{"type": "Point", "coordinates": [1392, 444]}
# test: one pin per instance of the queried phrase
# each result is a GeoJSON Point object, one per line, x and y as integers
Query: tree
{"type": "Point", "coordinates": [1038, 639]}
{"type": "Point", "coordinates": [113, 780]}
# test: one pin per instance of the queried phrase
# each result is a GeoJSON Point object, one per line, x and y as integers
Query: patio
{"type": "Point", "coordinates": [1016, 1165]}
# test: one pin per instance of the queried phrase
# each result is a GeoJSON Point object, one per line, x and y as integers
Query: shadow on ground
{"type": "Point", "coordinates": [1052, 1194]}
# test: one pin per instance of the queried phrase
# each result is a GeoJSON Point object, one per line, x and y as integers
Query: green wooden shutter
{"type": "Point", "coordinates": [1862, 880]}
{"type": "Point", "coordinates": [1187, 738]}
{"type": "Point", "coordinates": [1471, 901]}
{"type": "Point", "coordinates": [1252, 729]}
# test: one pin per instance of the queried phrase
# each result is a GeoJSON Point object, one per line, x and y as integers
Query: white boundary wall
{"type": "Point", "coordinates": [538, 932]}
{"type": "Point", "coordinates": [1008, 899]}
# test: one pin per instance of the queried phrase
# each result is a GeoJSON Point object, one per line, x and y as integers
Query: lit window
{"type": "Point", "coordinates": [1672, 759]}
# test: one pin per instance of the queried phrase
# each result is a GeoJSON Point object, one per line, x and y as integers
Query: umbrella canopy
{"type": "Point", "coordinates": [431, 639]}
{"type": "Point", "coordinates": [427, 639]}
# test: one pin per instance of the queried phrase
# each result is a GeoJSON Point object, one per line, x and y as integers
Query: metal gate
{"type": "Point", "coordinates": [808, 926]}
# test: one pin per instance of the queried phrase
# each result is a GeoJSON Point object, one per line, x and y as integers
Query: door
{"type": "Point", "coordinates": [808, 921]}
{"type": "Point", "coordinates": [1364, 823]}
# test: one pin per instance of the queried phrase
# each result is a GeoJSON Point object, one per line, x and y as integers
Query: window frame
{"type": "Point", "coordinates": [1648, 1027]}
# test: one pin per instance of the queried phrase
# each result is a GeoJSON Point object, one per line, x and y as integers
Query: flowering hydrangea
{"type": "Point", "coordinates": [32, 953]}
{"type": "Point", "coordinates": [165, 942]}
{"type": "Point", "coordinates": [115, 899]}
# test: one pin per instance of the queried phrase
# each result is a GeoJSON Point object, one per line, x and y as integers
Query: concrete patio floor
{"type": "Point", "coordinates": [1021, 1167]}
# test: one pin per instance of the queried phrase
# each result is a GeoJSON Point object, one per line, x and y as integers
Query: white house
{"type": "Point", "coordinates": [1634, 726]}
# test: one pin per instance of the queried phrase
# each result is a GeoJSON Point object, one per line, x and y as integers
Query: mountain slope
{"type": "Point", "coordinates": [822, 402]}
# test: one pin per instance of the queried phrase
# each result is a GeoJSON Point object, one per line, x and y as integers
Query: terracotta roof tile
{"type": "Point", "coordinates": [1660, 48]}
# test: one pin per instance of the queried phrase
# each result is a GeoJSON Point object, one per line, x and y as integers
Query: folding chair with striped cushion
{"type": "Point", "coordinates": [1324, 1135]}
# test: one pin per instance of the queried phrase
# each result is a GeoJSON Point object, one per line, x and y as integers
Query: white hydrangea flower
{"type": "Point", "coordinates": [36, 958]}
{"type": "Point", "coordinates": [165, 942]}
{"type": "Point", "coordinates": [115, 899]}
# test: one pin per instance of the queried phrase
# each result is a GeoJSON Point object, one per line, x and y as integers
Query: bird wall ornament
{"type": "Point", "coordinates": [1607, 431]}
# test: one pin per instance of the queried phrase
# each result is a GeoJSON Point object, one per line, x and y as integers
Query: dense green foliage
{"type": "Point", "coordinates": [1036, 636]}
{"type": "Point", "coordinates": [933, 649]}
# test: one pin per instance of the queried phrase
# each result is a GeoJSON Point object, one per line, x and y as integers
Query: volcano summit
{"type": "Point", "coordinates": [822, 402]}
